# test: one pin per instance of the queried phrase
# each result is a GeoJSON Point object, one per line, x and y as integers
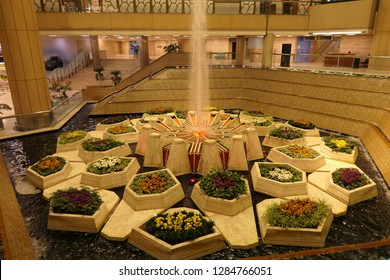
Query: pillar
{"type": "Point", "coordinates": [154, 155]}
{"type": "Point", "coordinates": [255, 46]}
{"type": "Point", "coordinates": [141, 147]}
{"type": "Point", "coordinates": [24, 61]}
{"type": "Point", "coordinates": [209, 158]}
{"type": "Point", "coordinates": [237, 155]}
{"type": "Point", "coordinates": [144, 51]}
{"type": "Point", "coordinates": [178, 161]}
{"type": "Point", "coordinates": [95, 51]}
{"type": "Point", "coordinates": [253, 147]}
{"type": "Point", "coordinates": [381, 41]}
{"type": "Point", "coordinates": [268, 49]}
{"type": "Point", "coordinates": [240, 50]}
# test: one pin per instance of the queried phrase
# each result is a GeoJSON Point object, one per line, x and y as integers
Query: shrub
{"type": "Point", "coordinates": [100, 145]}
{"type": "Point", "coordinates": [150, 183]}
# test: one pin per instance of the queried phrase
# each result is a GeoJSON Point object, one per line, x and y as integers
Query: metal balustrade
{"type": "Point", "coordinates": [295, 7]}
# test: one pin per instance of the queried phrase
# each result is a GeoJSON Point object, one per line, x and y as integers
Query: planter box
{"type": "Point", "coordinates": [191, 249]}
{"type": "Point", "coordinates": [314, 132]}
{"type": "Point", "coordinates": [263, 130]}
{"type": "Point", "coordinates": [350, 158]}
{"type": "Point", "coordinates": [154, 201]}
{"type": "Point", "coordinates": [219, 205]}
{"type": "Point", "coordinates": [131, 137]}
{"type": "Point", "coordinates": [276, 188]}
{"type": "Point", "coordinates": [71, 146]}
{"type": "Point", "coordinates": [111, 180]}
{"type": "Point", "coordinates": [271, 141]}
{"type": "Point", "coordinates": [102, 127]}
{"type": "Point", "coordinates": [79, 223]}
{"type": "Point", "coordinates": [120, 151]}
{"type": "Point", "coordinates": [305, 164]}
{"type": "Point", "coordinates": [244, 117]}
{"type": "Point", "coordinates": [291, 236]}
{"type": "Point", "coordinates": [44, 182]}
{"type": "Point", "coordinates": [351, 197]}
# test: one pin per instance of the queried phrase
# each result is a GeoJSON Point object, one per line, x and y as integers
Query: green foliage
{"type": "Point", "coordinates": [49, 165]}
{"type": "Point", "coordinates": [121, 129]}
{"type": "Point", "coordinates": [100, 145]}
{"type": "Point", "coordinates": [151, 183]}
{"type": "Point", "coordinates": [114, 119]}
{"type": "Point", "coordinates": [301, 124]}
{"type": "Point", "coordinates": [339, 144]}
{"type": "Point", "coordinates": [108, 165]}
{"type": "Point", "coordinates": [223, 184]}
{"type": "Point", "coordinates": [98, 70]}
{"type": "Point", "coordinates": [173, 48]}
{"type": "Point", "coordinates": [264, 123]}
{"type": "Point", "coordinates": [71, 137]}
{"type": "Point", "coordinates": [181, 114]}
{"type": "Point", "coordinates": [255, 113]}
{"type": "Point", "coordinates": [179, 227]}
{"type": "Point", "coordinates": [350, 178]}
{"type": "Point", "coordinates": [4, 107]}
{"type": "Point", "coordinates": [299, 151]}
{"type": "Point", "coordinates": [296, 213]}
{"type": "Point", "coordinates": [280, 172]}
{"type": "Point", "coordinates": [285, 132]}
{"type": "Point", "coordinates": [116, 76]}
{"type": "Point", "coordinates": [160, 110]}
{"type": "Point", "coordinates": [84, 201]}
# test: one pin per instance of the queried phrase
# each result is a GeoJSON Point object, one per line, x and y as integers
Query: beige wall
{"type": "Point", "coordinates": [279, 41]}
{"type": "Point", "coordinates": [357, 44]}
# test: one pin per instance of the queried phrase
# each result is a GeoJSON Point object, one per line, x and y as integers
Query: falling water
{"type": "Point", "coordinates": [199, 85]}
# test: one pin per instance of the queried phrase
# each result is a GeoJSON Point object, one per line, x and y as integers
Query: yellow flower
{"type": "Point", "coordinates": [339, 143]}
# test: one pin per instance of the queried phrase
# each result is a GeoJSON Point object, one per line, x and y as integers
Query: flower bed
{"type": "Point", "coordinates": [77, 209]}
{"type": "Point", "coordinates": [110, 172]}
{"type": "Point", "coordinates": [278, 180]}
{"type": "Point", "coordinates": [153, 190]}
{"type": "Point", "coordinates": [284, 135]}
{"type": "Point", "coordinates": [351, 186]}
{"type": "Point", "coordinates": [300, 156]}
{"type": "Point", "coordinates": [180, 233]}
{"type": "Point", "coordinates": [304, 125]}
{"type": "Point", "coordinates": [223, 192]}
{"type": "Point", "coordinates": [112, 121]}
{"type": "Point", "coordinates": [123, 133]}
{"type": "Point", "coordinates": [339, 148]}
{"type": "Point", "coordinates": [254, 116]}
{"type": "Point", "coordinates": [48, 171]}
{"type": "Point", "coordinates": [263, 127]}
{"type": "Point", "coordinates": [72, 140]}
{"type": "Point", "coordinates": [295, 222]}
{"type": "Point", "coordinates": [95, 148]}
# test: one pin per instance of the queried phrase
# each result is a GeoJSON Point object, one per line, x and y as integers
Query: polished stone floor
{"type": "Point", "coordinates": [364, 223]}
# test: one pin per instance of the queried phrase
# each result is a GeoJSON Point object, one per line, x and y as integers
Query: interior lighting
{"type": "Point", "coordinates": [338, 33]}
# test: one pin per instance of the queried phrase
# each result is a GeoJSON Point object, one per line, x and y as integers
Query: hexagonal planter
{"type": "Point", "coordinates": [314, 132]}
{"type": "Point", "coordinates": [305, 164]}
{"type": "Point", "coordinates": [110, 180]}
{"type": "Point", "coordinates": [345, 157]}
{"type": "Point", "coordinates": [80, 223]}
{"type": "Point", "coordinates": [229, 207]}
{"type": "Point", "coordinates": [244, 116]}
{"type": "Point", "coordinates": [162, 200]}
{"type": "Point", "coordinates": [120, 151]}
{"type": "Point", "coordinates": [276, 188]}
{"type": "Point", "coordinates": [130, 137]}
{"type": "Point", "coordinates": [263, 130]}
{"type": "Point", "coordinates": [191, 249]}
{"type": "Point", "coordinates": [102, 126]}
{"type": "Point", "coordinates": [351, 197]}
{"type": "Point", "coordinates": [306, 237]}
{"type": "Point", "coordinates": [70, 146]}
{"type": "Point", "coordinates": [44, 182]}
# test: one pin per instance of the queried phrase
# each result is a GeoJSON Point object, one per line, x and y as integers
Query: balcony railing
{"type": "Point", "coordinates": [290, 7]}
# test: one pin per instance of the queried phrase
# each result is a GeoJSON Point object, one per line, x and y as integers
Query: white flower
{"type": "Point", "coordinates": [281, 174]}
{"type": "Point", "coordinates": [106, 162]}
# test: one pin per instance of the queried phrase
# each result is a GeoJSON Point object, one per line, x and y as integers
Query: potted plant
{"type": "Point", "coordinates": [179, 233]}
{"type": "Point", "coordinates": [222, 191]}
{"type": "Point", "coordinates": [116, 76]}
{"type": "Point", "coordinates": [58, 93]}
{"type": "Point", "coordinates": [339, 148]}
{"type": "Point", "coordinates": [300, 156]}
{"type": "Point", "coordinates": [278, 179]}
{"type": "Point", "coordinates": [110, 172]}
{"type": "Point", "coordinates": [78, 208]}
{"type": "Point", "coordinates": [284, 135]}
{"type": "Point", "coordinates": [95, 148]}
{"type": "Point", "coordinates": [294, 222]}
{"type": "Point", "coordinates": [173, 48]}
{"type": "Point", "coordinates": [72, 140]}
{"type": "Point", "coordinates": [153, 190]}
{"type": "Point", "coordinates": [351, 186]}
{"type": "Point", "coordinates": [48, 171]}
{"type": "Point", "coordinates": [305, 125]}
{"type": "Point", "coordinates": [99, 75]}
{"type": "Point", "coordinates": [113, 121]}
{"type": "Point", "coordinates": [124, 133]}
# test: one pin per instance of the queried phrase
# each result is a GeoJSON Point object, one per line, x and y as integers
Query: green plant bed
{"type": "Point", "coordinates": [294, 222]}
{"type": "Point", "coordinates": [304, 125]}
{"type": "Point", "coordinates": [95, 148]}
{"type": "Point", "coordinates": [112, 121]}
{"type": "Point", "coordinates": [123, 133]}
{"type": "Point", "coordinates": [72, 140]}
{"type": "Point", "coordinates": [339, 148]}
{"type": "Point", "coordinates": [283, 135]}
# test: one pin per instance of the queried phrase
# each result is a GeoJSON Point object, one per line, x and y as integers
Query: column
{"type": "Point", "coordinates": [255, 46]}
{"type": "Point", "coordinates": [95, 51]}
{"type": "Point", "coordinates": [240, 50]}
{"type": "Point", "coordinates": [268, 49]}
{"type": "Point", "coordinates": [24, 61]}
{"type": "Point", "coordinates": [144, 51]}
{"type": "Point", "coordinates": [381, 40]}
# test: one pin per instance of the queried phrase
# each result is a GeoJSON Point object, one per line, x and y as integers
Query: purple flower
{"type": "Point", "coordinates": [350, 175]}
